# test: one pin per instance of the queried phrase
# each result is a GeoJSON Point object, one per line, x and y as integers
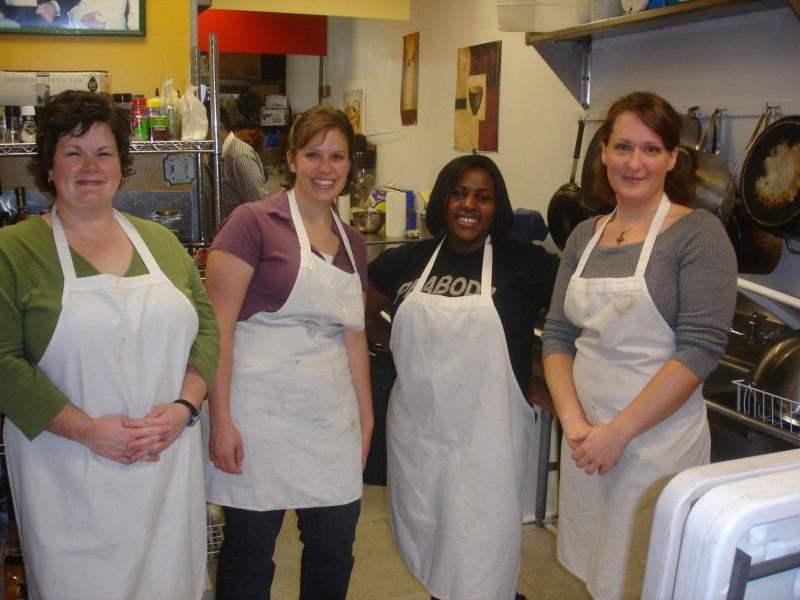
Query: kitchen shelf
{"type": "Point", "coordinates": [568, 51]}
{"type": "Point", "coordinates": [173, 147]}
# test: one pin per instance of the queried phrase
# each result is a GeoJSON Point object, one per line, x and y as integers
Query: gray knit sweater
{"type": "Point", "coordinates": [691, 277]}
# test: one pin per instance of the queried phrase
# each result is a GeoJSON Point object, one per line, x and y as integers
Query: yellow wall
{"type": "Point", "coordinates": [136, 64]}
{"type": "Point", "coordinates": [367, 9]}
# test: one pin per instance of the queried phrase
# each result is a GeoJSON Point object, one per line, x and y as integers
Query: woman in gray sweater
{"type": "Point", "coordinates": [639, 318]}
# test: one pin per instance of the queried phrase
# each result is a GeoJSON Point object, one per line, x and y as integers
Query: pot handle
{"type": "Point", "coordinates": [762, 117]}
{"type": "Point", "coordinates": [712, 127]}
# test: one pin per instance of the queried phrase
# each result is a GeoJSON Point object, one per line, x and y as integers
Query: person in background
{"type": "Point", "coordinates": [291, 410]}
{"type": "Point", "coordinates": [42, 13]}
{"type": "Point", "coordinates": [255, 138]}
{"type": "Point", "coordinates": [459, 427]}
{"type": "Point", "coordinates": [639, 318]}
{"type": "Point", "coordinates": [108, 345]}
{"type": "Point", "coordinates": [105, 14]}
{"type": "Point", "coordinates": [241, 171]}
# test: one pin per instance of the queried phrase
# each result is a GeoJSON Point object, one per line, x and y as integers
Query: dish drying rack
{"type": "Point", "coordinates": [214, 528]}
{"type": "Point", "coordinates": [769, 408]}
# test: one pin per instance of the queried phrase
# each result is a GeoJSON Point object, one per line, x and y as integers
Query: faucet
{"type": "Point", "coordinates": [754, 334]}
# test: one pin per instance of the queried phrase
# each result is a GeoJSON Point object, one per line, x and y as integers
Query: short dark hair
{"type": "Point", "coordinates": [74, 113]}
{"type": "Point", "coordinates": [658, 115]}
{"type": "Point", "coordinates": [446, 182]}
{"type": "Point", "coordinates": [320, 118]}
{"type": "Point", "coordinates": [224, 117]}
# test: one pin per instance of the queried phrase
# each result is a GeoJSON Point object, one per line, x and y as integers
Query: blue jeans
{"type": "Point", "coordinates": [245, 568]}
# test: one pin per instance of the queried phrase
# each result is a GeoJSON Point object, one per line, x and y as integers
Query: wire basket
{"type": "Point", "coordinates": [216, 523]}
{"type": "Point", "coordinates": [769, 408]}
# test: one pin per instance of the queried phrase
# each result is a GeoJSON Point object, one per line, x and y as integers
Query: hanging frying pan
{"type": "Point", "coordinates": [757, 251]}
{"type": "Point", "coordinates": [691, 130]}
{"type": "Point", "coordinates": [771, 179]}
{"type": "Point", "coordinates": [566, 208]}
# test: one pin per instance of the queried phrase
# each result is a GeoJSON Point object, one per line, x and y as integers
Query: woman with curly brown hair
{"type": "Point", "coordinates": [108, 345]}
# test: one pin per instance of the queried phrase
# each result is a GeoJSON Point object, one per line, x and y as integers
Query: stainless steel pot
{"type": "Point", "coordinates": [715, 189]}
{"type": "Point", "coordinates": [778, 373]}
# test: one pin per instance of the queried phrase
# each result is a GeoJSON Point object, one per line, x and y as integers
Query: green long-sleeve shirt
{"type": "Point", "coordinates": [31, 285]}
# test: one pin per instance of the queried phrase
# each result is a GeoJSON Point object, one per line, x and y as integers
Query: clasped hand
{"type": "Point", "coordinates": [596, 449]}
{"type": "Point", "coordinates": [127, 440]}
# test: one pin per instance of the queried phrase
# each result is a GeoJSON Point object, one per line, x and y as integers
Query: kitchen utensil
{"type": "Point", "coordinates": [778, 373]}
{"type": "Point", "coordinates": [368, 221]}
{"type": "Point", "coordinates": [771, 179]}
{"type": "Point", "coordinates": [715, 189]}
{"type": "Point", "coordinates": [757, 251]}
{"type": "Point", "coordinates": [566, 208]}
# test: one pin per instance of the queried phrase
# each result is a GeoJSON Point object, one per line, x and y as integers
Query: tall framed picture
{"type": "Point", "coordinates": [73, 17]}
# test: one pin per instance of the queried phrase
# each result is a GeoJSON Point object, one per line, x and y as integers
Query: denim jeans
{"type": "Point", "coordinates": [245, 568]}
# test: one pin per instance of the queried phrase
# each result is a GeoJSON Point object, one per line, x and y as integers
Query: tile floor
{"type": "Point", "coordinates": [379, 574]}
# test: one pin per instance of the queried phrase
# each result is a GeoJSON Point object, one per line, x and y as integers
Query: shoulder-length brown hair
{"type": "Point", "coordinates": [658, 115]}
{"type": "Point", "coordinates": [320, 118]}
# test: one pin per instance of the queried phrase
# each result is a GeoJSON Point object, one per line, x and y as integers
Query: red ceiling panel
{"type": "Point", "coordinates": [263, 32]}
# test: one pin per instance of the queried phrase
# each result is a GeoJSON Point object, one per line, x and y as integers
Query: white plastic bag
{"type": "Point", "coordinates": [194, 119]}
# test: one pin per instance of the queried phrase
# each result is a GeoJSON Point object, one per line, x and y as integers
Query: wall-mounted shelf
{"type": "Point", "coordinates": [568, 51]}
{"type": "Point", "coordinates": [174, 147]}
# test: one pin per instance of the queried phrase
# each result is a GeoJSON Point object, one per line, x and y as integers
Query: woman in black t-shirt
{"type": "Point", "coordinates": [459, 429]}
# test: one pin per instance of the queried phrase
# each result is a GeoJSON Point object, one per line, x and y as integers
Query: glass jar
{"type": "Point", "coordinates": [169, 218]}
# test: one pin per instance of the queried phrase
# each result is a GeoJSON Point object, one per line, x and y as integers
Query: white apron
{"type": "Point", "coordinates": [459, 434]}
{"type": "Point", "coordinates": [604, 521]}
{"type": "Point", "coordinates": [292, 397]}
{"type": "Point", "coordinates": [92, 528]}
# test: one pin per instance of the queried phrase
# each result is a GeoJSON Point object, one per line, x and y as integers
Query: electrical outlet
{"type": "Point", "coordinates": [178, 169]}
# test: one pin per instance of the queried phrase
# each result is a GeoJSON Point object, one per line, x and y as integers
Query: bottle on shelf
{"type": "Point", "coordinates": [27, 130]}
{"type": "Point", "coordinates": [5, 216]}
{"type": "Point", "coordinates": [22, 210]}
{"type": "Point", "coordinates": [11, 135]}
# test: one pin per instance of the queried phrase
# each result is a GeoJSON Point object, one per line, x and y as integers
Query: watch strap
{"type": "Point", "coordinates": [194, 414]}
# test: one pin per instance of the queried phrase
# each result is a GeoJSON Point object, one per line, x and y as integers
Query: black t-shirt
{"type": "Point", "coordinates": [522, 283]}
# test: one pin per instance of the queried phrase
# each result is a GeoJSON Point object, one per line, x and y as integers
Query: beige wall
{"type": "Point", "coordinates": [137, 64]}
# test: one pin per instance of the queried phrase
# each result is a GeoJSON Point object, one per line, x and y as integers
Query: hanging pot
{"type": "Point", "coordinates": [691, 130]}
{"type": "Point", "coordinates": [715, 189]}
{"type": "Point", "coordinates": [771, 179]}
{"type": "Point", "coordinates": [757, 251]}
{"type": "Point", "coordinates": [566, 207]}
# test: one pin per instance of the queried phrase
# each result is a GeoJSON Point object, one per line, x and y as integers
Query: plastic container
{"type": "Point", "coordinates": [540, 15]}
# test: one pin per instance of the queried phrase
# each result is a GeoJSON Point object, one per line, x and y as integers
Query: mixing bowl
{"type": "Point", "coordinates": [368, 221]}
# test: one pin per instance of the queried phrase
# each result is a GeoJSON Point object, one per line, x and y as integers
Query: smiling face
{"type": "Point", "coordinates": [637, 160]}
{"type": "Point", "coordinates": [321, 167]}
{"type": "Point", "coordinates": [86, 170]}
{"type": "Point", "coordinates": [469, 212]}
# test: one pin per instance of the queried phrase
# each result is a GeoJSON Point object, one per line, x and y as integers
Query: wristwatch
{"type": "Point", "coordinates": [194, 413]}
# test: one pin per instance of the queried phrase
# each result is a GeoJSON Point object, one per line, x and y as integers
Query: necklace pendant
{"type": "Point", "coordinates": [620, 238]}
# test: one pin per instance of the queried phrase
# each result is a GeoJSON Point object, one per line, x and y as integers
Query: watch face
{"type": "Point", "coordinates": [632, 6]}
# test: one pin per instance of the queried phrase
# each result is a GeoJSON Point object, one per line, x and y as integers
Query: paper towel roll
{"type": "Point", "coordinates": [343, 203]}
{"type": "Point", "coordinates": [395, 214]}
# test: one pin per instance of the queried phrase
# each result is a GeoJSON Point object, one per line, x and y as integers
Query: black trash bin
{"type": "Point", "coordinates": [382, 374]}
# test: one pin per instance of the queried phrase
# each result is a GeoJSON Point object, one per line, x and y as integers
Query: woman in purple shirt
{"type": "Point", "coordinates": [291, 410]}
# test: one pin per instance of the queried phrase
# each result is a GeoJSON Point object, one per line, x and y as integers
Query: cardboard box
{"type": "Point", "coordinates": [277, 101]}
{"type": "Point", "coordinates": [239, 66]}
{"type": "Point", "coordinates": [265, 89]}
{"type": "Point", "coordinates": [21, 88]}
{"type": "Point", "coordinates": [541, 15]}
{"type": "Point", "coordinates": [274, 116]}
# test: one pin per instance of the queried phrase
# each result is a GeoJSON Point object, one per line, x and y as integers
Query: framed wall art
{"type": "Point", "coordinates": [73, 17]}
{"type": "Point", "coordinates": [477, 98]}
